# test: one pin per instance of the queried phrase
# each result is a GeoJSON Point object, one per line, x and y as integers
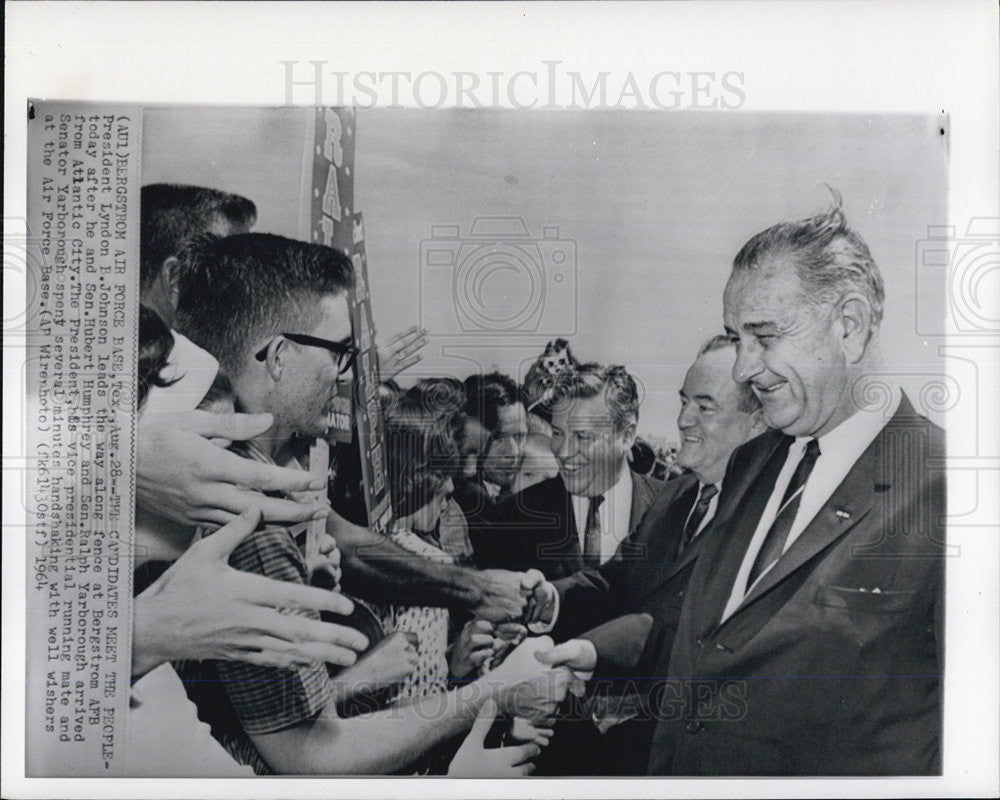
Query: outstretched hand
{"type": "Point", "coordinates": [201, 608]}
{"type": "Point", "coordinates": [576, 655]}
{"type": "Point", "coordinates": [505, 594]}
{"type": "Point", "coordinates": [542, 604]}
{"type": "Point", "coordinates": [401, 352]}
{"type": "Point", "coordinates": [473, 760]}
{"type": "Point", "coordinates": [472, 648]}
{"type": "Point", "coordinates": [181, 475]}
{"type": "Point", "coordinates": [526, 687]}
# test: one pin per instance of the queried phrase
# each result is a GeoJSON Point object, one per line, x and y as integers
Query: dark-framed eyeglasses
{"type": "Point", "coordinates": [347, 354]}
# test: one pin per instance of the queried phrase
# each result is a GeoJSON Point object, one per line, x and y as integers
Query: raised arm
{"type": "Point", "coordinates": [376, 568]}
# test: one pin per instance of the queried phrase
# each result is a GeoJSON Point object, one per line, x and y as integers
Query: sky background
{"type": "Point", "coordinates": [618, 231]}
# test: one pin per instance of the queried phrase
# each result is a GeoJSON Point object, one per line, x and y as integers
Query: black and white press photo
{"type": "Point", "coordinates": [488, 443]}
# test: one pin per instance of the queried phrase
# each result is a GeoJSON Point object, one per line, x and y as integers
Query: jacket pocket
{"type": "Point", "coordinates": [892, 601]}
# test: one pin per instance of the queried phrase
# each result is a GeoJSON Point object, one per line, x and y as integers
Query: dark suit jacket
{"type": "Point", "coordinates": [536, 528]}
{"type": "Point", "coordinates": [480, 512]}
{"type": "Point", "coordinates": [627, 606]}
{"type": "Point", "coordinates": [832, 665]}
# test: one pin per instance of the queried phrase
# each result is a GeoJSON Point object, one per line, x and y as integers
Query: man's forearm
{"type": "Point", "coordinates": [329, 745]}
{"type": "Point", "coordinates": [376, 568]}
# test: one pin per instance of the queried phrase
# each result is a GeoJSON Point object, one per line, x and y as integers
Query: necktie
{"type": "Point", "coordinates": [774, 542]}
{"type": "Point", "coordinates": [592, 533]}
{"type": "Point", "coordinates": [708, 491]}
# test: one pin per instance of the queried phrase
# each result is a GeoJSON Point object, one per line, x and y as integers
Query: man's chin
{"type": "Point", "coordinates": [686, 459]}
{"type": "Point", "coordinates": [574, 484]}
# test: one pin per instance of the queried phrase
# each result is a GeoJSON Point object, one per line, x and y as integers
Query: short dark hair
{"type": "Point", "coordinates": [436, 396]}
{"type": "Point", "coordinates": [423, 454]}
{"type": "Point", "coordinates": [613, 383]}
{"type": "Point", "coordinates": [171, 214]}
{"type": "Point", "coordinates": [747, 401]}
{"type": "Point", "coordinates": [487, 394]}
{"type": "Point", "coordinates": [829, 257]}
{"type": "Point", "coordinates": [238, 290]}
{"type": "Point", "coordinates": [155, 345]}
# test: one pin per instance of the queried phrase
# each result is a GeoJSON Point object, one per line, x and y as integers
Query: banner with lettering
{"type": "Point", "coordinates": [368, 409]}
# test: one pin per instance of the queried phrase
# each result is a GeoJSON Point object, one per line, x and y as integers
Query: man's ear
{"type": "Point", "coordinates": [856, 319]}
{"type": "Point", "coordinates": [629, 434]}
{"type": "Point", "coordinates": [169, 279]}
{"type": "Point", "coordinates": [757, 425]}
{"type": "Point", "coordinates": [275, 359]}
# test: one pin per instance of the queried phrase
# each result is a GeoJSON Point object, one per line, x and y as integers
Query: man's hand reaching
{"type": "Point", "coordinates": [201, 608]}
{"type": "Point", "coordinates": [505, 595]}
{"type": "Point", "coordinates": [473, 760]}
{"type": "Point", "coordinates": [181, 475]}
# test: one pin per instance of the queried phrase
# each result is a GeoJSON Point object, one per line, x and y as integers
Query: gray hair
{"type": "Point", "coordinates": [830, 258]}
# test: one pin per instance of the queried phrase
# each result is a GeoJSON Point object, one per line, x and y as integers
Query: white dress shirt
{"type": "Point", "coordinates": [838, 451]}
{"type": "Point", "coordinates": [614, 514]}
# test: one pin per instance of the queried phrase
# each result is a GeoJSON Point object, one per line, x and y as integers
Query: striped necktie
{"type": "Point", "coordinates": [708, 491]}
{"type": "Point", "coordinates": [777, 535]}
{"type": "Point", "coordinates": [592, 533]}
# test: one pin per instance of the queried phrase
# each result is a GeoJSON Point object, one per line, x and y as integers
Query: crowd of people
{"type": "Point", "coordinates": [547, 601]}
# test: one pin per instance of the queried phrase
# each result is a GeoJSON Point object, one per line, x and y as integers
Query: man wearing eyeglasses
{"type": "Point", "coordinates": [273, 312]}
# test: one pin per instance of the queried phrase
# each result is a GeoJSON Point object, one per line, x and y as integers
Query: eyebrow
{"type": "Point", "coordinates": [706, 398]}
{"type": "Point", "coordinates": [758, 327]}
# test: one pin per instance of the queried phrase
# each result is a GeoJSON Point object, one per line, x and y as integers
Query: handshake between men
{"type": "Point", "coordinates": [578, 655]}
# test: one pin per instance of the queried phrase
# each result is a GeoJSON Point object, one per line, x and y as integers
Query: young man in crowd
{"type": "Point", "coordinates": [493, 405]}
{"type": "Point", "coordinates": [274, 313]}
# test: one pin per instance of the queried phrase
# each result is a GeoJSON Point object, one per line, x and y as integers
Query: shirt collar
{"type": "Point", "coordinates": [851, 437]}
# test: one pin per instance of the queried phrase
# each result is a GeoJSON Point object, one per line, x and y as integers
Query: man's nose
{"type": "Point", "coordinates": [686, 418]}
{"type": "Point", "coordinates": [748, 363]}
{"type": "Point", "coordinates": [563, 451]}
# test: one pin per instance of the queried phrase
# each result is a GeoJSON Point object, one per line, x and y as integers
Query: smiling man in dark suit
{"type": "Point", "coordinates": [811, 637]}
{"type": "Point", "coordinates": [581, 516]}
{"type": "Point", "coordinates": [625, 612]}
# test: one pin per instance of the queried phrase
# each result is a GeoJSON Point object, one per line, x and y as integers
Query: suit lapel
{"type": "Point", "coordinates": [642, 495]}
{"type": "Point", "coordinates": [854, 496]}
{"type": "Point", "coordinates": [656, 539]}
{"type": "Point", "coordinates": [848, 505]}
{"type": "Point", "coordinates": [731, 533]}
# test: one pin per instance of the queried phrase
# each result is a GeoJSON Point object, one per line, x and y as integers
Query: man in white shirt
{"type": "Point", "coordinates": [811, 637]}
{"type": "Point", "coordinates": [581, 516]}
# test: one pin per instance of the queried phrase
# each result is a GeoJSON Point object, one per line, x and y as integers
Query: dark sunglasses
{"type": "Point", "coordinates": [347, 354]}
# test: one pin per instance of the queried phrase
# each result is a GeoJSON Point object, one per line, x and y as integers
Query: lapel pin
{"type": "Point", "coordinates": [842, 514]}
